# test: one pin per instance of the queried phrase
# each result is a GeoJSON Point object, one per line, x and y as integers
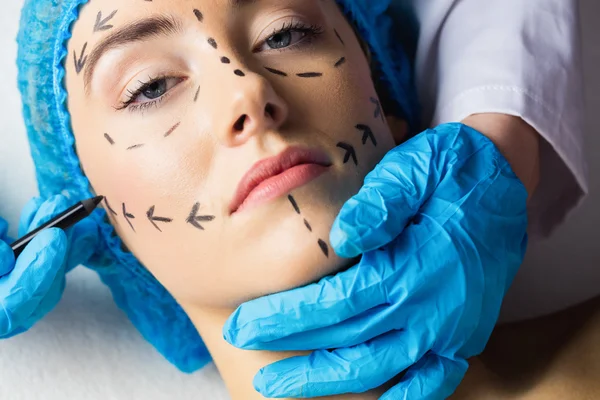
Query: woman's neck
{"type": "Point", "coordinates": [238, 367]}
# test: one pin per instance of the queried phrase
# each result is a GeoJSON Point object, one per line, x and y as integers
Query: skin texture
{"type": "Point", "coordinates": [155, 161]}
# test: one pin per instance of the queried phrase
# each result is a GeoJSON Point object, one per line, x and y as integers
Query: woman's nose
{"type": "Point", "coordinates": [253, 108]}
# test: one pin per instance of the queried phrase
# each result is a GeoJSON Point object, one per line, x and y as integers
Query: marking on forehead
{"type": "Point", "coordinates": [135, 146]}
{"type": "Point", "coordinates": [113, 212]}
{"type": "Point", "coordinates": [340, 62]}
{"type": "Point", "coordinates": [310, 74]}
{"type": "Point", "coordinates": [213, 43]}
{"type": "Point", "coordinates": [339, 37]}
{"type": "Point", "coordinates": [239, 72]}
{"type": "Point", "coordinates": [102, 24]}
{"type": "Point", "coordinates": [276, 71]}
{"type": "Point", "coordinates": [350, 152]}
{"type": "Point", "coordinates": [198, 15]}
{"type": "Point", "coordinates": [294, 203]}
{"type": "Point", "coordinates": [153, 220]}
{"type": "Point", "coordinates": [194, 219]}
{"type": "Point", "coordinates": [197, 94]}
{"type": "Point", "coordinates": [225, 60]}
{"type": "Point", "coordinates": [128, 217]}
{"type": "Point", "coordinates": [80, 62]}
{"type": "Point", "coordinates": [378, 112]}
{"type": "Point", "coordinates": [172, 129]}
{"type": "Point", "coordinates": [110, 140]}
{"type": "Point", "coordinates": [324, 247]}
{"type": "Point", "coordinates": [367, 134]}
{"type": "Point", "coordinates": [307, 225]}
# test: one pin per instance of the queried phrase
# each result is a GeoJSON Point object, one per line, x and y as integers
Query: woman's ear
{"type": "Point", "coordinates": [398, 127]}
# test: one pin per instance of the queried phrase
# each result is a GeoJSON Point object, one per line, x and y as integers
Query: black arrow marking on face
{"type": "Point", "coordinates": [128, 217]}
{"type": "Point", "coordinates": [110, 140]}
{"type": "Point", "coordinates": [198, 15]}
{"type": "Point", "coordinates": [339, 62]}
{"type": "Point", "coordinates": [309, 74]}
{"type": "Point", "coordinates": [113, 212]}
{"type": "Point", "coordinates": [324, 247]}
{"type": "Point", "coordinates": [378, 113]}
{"type": "Point", "coordinates": [197, 94]}
{"type": "Point", "coordinates": [101, 24]}
{"type": "Point", "coordinates": [294, 203]}
{"type": "Point", "coordinates": [307, 225]}
{"type": "Point", "coordinates": [239, 72]}
{"type": "Point", "coordinates": [213, 43]}
{"type": "Point", "coordinates": [135, 146]}
{"type": "Point", "coordinates": [194, 219]}
{"type": "Point", "coordinates": [80, 63]}
{"type": "Point", "coordinates": [367, 134]}
{"type": "Point", "coordinates": [350, 152]}
{"type": "Point", "coordinates": [153, 220]}
{"type": "Point", "coordinates": [339, 37]}
{"type": "Point", "coordinates": [172, 129]}
{"type": "Point", "coordinates": [276, 71]}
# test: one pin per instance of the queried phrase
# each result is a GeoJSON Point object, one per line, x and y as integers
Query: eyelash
{"type": "Point", "coordinates": [311, 31]}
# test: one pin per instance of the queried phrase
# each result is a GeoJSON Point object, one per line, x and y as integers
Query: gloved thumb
{"type": "Point", "coordinates": [84, 238]}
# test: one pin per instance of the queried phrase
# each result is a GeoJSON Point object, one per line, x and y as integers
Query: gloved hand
{"type": "Point", "coordinates": [442, 225]}
{"type": "Point", "coordinates": [33, 285]}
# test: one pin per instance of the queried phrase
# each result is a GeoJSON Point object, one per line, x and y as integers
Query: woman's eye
{"type": "Point", "coordinates": [283, 39]}
{"type": "Point", "coordinates": [155, 89]}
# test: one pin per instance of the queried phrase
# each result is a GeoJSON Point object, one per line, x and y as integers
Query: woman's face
{"type": "Point", "coordinates": [225, 135]}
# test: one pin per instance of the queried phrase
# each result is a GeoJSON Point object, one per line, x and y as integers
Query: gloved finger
{"type": "Point", "coordinates": [48, 210]}
{"type": "Point", "coordinates": [432, 378]}
{"type": "Point", "coordinates": [28, 214]}
{"type": "Point", "coordinates": [348, 370]}
{"type": "Point", "coordinates": [85, 237]}
{"type": "Point", "coordinates": [49, 301]}
{"type": "Point", "coordinates": [7, 259]}
{"type": "Point", "coordinates": [326, 303]}
{"type": "Point", "coordinates": [33, 275]}
{"type": "Point", "coordinates": [391, 195]}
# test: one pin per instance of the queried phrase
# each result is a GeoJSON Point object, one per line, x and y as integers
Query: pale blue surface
{"type": "Point", "coordinates": [442, 224]}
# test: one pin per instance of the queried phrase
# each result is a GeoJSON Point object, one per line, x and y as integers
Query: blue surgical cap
{"type": "Point", "coordinates": [45, 29]}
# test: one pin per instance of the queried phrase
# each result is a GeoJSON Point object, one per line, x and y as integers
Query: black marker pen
{"type": "Point", "coordinates": [63, 221]}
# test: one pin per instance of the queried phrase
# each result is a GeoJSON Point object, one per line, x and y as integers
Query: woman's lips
{"type": "Point", "coordinates": [274, 177]}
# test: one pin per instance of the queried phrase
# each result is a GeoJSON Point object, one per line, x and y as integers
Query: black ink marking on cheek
{"type": "Point", "coordinates": [310, 74]}
{"type": "Point", "coordinates": [135, 146]}
{"type": "Point", "coordinates": [213, 43]}
{"type": "Point", "coordinates": [128, 217]}
{"type": "Point", "coordinates": [173, 128]}
{"type": "Point", "coordinates": [197, 94]}
{"type": "Point", "coordinates": [102, 24]}
{"type": "Point", "coordinates": [109, 139]}
{"type": "Point", "coordinates": [239, 72]}
{"type": "Point", "coordinates": [350, 152]}
{"type": "Point", "coordinates": [110, 209]}
{"type": "Point", "coordinates": [339, 37]}
{"type": "Point", "coordinates": [307, 225]}
{"type": "Point", "coordinates": [198, 15]}
{"type": "Point", "coordinates": [80, 62]}
{"type": "Point", "coordinates": [225, 60]}
{"type": "Point", "coordinates": [294, 204]}
{"type": "Point", "coordinates": [339, 62]}
{"type": "Point", "coordinates": [276, 71]}
{"type": "Point", "coordinates": [378, 112]}
{"type": "Point", "coordinates": [194, 219]}
{"type": "Point", "coordinates": [367, 134]}
{"type": "Point", "coordinates": [153, 220]}
{"type": "Point", "coordinates": [324, 247]}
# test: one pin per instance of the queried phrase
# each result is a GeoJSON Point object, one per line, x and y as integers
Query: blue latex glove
{"type": "Point", "coordinates": [442, 225]}
{"type": "Point", "coordinates": [33, 285]}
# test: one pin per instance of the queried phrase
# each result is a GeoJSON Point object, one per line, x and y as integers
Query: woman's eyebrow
{"type": "Point", "coordinates": [137, 31]}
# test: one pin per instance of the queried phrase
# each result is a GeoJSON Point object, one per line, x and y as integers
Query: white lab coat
{"type": "Point", "coordinates": [517, 57]}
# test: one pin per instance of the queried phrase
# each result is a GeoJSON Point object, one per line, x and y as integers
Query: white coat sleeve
{"type": "Point", "coordinates": [516, 57]}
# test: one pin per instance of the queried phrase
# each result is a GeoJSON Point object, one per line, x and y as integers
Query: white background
{"type": "Point", "coordinates": [87, 349]}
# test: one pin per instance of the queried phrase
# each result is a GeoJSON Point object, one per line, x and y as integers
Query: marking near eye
{"type": "Point", "coordinates": [80, 62]}
{"type": "Point", "coordinates": [276, 71]}
{"type": "Point", "coordinates": [194, 219]}
{"type": "Point", "coordinates": [213, 43]}
{"type": "Point", "coordinates": [324, 247]}
{"type": "Point", "coordinates": [128, 217]}
{"type": "Point", "coordinates": [340, 62]}
{"type": "Point", "coordinates": [197, 94]}
{"type": "Point", "coordinates": [367, 134]}
{"type": "Point", "coordinates": [339, 37]}
{"type": "Point", "coordinates": [173, 128]}
{"type": "Point", "coordinates": [225, 60]}
{"type": "Point", "coordinates": [239, 72]}
{"type": "Point", "coordinates": [153, 220]}
{"type": "Point", "coordinates": [378, 112]}
{"type": "Point", "coordinates": [135, 146]}
{"type": "Point", "coordinates": [109, 139]}
{"type": "Point", "coordinates": [294, 203]}
{"type": "Point", "coordinates": [198, 15]}
{"type": "Point", "coordinates": [101, 24]}
{"type": "Point", "coordinates": [307, 225]}
{"type": "Point", "coordinates": [309, 74]}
